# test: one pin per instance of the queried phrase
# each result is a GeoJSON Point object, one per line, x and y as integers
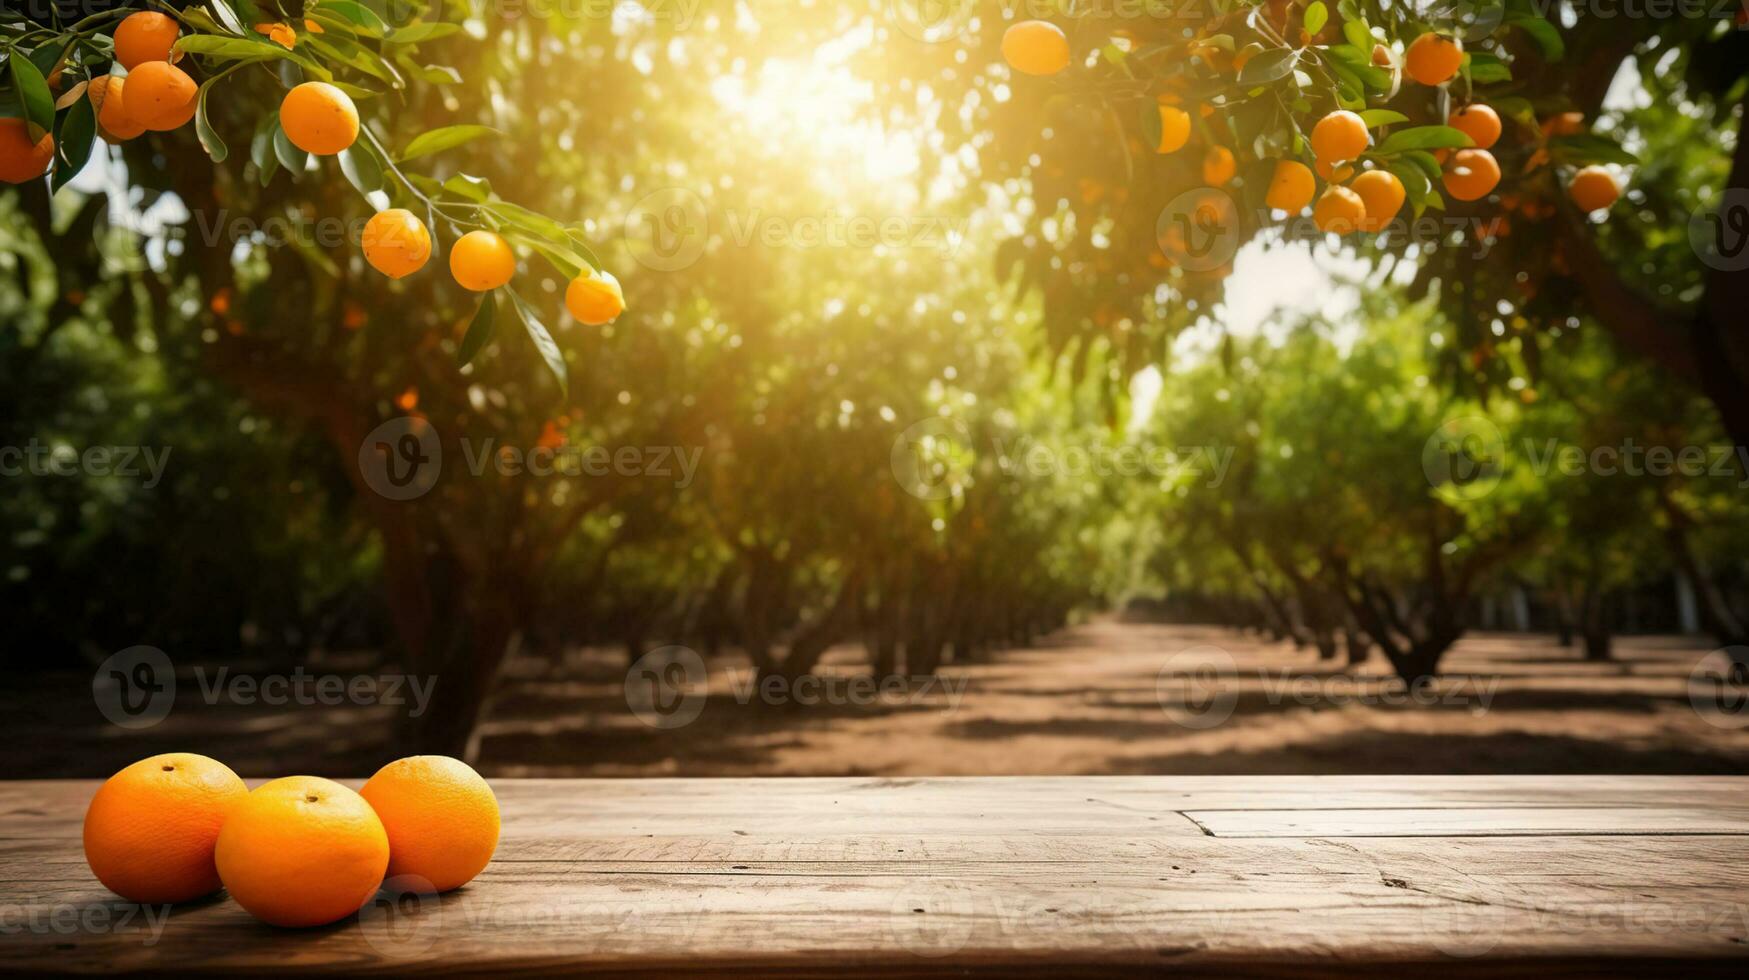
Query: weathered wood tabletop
{"type": "Point", "coordinates": [1300, 876]}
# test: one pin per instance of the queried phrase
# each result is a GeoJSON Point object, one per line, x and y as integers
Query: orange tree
{"type": "Point", "coordinates": [1469, 137]}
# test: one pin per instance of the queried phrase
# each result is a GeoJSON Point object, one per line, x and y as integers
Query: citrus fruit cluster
{"type": "Point", "coordinates": [297, 851]}
{"type": "Point", "coordinates": [1363, 178]}
{"type": "Point", "coordinates": [156, 71]}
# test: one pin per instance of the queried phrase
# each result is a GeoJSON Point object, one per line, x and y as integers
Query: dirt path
{"type": "Point", "coordinates": [1089, 701]}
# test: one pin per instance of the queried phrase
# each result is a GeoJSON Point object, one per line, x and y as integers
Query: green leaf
{"type": "Point", "coordinates": [73, 145]}
{"type": "Point", "coordinates": [261, 149]}
{"type": "Point", "coordinates": [1424, 138]}
{"type": "Point", "coordinates": [1583, 148]}
{"type": "Point", "coordinates": [1546, 36]}
{"type": "Point", "coordinates": [1428, 163]}
{"type": "Point", "coordinates": [1270, 66]}
{"type": "Point", "coordinates": [361, 168]}
{"type": "Point", "coordinates": [449, 137]}
{"type": "Point", "coordinates": [232, 48]}
{"type": "Point", "coordinates": [203, 127]}
{"type": "Point", "coordinates": [437, 74]}
{"type": "Point", "coordinates": [32, 92]}
{"type": "Point", "coordinates": [543, 341]}
{"type": "Point", "coordinates": [479, 330]}
{"type": "Point", "coordinates": [568, 264]}
{"type": "Point", "coordinates": [355, 15]}
{"type": "Point", "coordinates": [469, 187]}
{"type": "Point", "coordinates": [293, 159]}
{"type": "Point", "coordinates": [414, 33]}
{"type": "Point", "coordinates": [1357, 34]}
{"type": "Point", "coordinates": [1485, 69]}
{"type": "Point", "coordinates": [1317, 15]}
{"type": "Point", "coordinates": [1374, 118]}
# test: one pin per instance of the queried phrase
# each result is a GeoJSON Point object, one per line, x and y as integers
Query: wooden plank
{"type": "Point", "coordinates": [950, 876]}
{"type": "Point", "coordinates": [1471, 822]}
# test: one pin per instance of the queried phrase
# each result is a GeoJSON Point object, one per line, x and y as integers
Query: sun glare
{"type": "Point", "coordinates": [816, 111]}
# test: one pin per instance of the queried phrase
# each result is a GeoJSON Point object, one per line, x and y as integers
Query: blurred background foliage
{"type": "Point", "coordinates": [1014, 336]}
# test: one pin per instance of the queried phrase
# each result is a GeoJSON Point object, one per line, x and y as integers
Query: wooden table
{"type": "Point", "coordinates": [1290, 876]}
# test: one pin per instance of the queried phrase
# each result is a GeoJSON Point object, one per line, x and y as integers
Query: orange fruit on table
{"type": "Point", "coordinates": [1383, 195]}
{"type": "Point", "coordinates": [441, 817]}
{"type": "Point", "coordinates": [1217, 166]}
{"type": "Point", "coordinates": [1473, 175]}
{"type": "Point", "coordinates": [1339, 210]}
{"type": "Point", "coordinates": [1593, 189]}
{"type": "Point", "coordinates": [1174, 129]}
{"type": "Point", "coordinates": [1479, 122]}
{"type": "Point", "coordinates": [595, 298]}
{"type": "Point", "coordinates": [396, 243]}
{"type": "Point", "coordinates": [1340, 136]}
{"type": "Point", "coordinates": [302, 851]}
{"type": "Point", "coordinates": [145, 36]}
{"type": "Point", "coordinates": [160, 96]}
{"type": "Point", "coordinates": [1291, 187]}
{"type": "Point", "coordinates": [319, 118]}
{"type": "Point", "coordinates": [1433, 59]}
{"type": "Point", "coordinates": [1036, 47]}
{"type": "Point", "coordinates": [481, 261]}
{"type": "Point", "coordinates": [114, 123]}
{"type": "Point", "coordinates": [151, 829]}
{"type": "Point", "coordinates": [20, 159]}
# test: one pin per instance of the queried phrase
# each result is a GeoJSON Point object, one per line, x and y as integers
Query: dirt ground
{"type": "Point", "coordinates": [1105, 697]}
{"type": "Point", "coordinates": [1092, 700]}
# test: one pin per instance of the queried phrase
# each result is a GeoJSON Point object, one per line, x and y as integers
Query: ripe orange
{"type": "Point", "coordinates": [319, 118]}
{"type": "Point", "coordinates": [396, 243]}
{"type": "Point", "coordinates": [161, 96]}
{"type": "Point", "coordinates": [481, 261]}
{"type": "Point", "coordinates": [1383, 195]}
{"type": "Point", "coordinates": [151, 828]}
{"type": "Point", "coordinates": [441, 817]}
{"type": "Point", "coordinates": [1473, 174]}
{"type": "Point", "coordinates": [1433, 59]}
{"type": "Point", "coordinates": [114, 123]}
{"type": "Point", "coordinates": [1174, 129]}
{"type": "Point", "coordinates": [1333, 173]}
{"type": "Point", "coordinates": [595, 298]}
{"type": "Point", "coordinates": [1564, 124]}
{"type": "Point", "coordinates": [302, 851]}
{"type": "Point", "coordinates": [1339, 210]}
{"type": "Point", "coordinates": [1217, 166]}
{"type": "Point", "coordinates": [1479, 122]}
{"type": "Point", "coordinates": [1593, 189]}
{"type": "Point", "coordinates": [1340, 136]}
{"type": "Point", "coordinates": [145, 36]}
{"type": "Point", "coordinates": [1036, 47]}
{"type": "Point", "coordinates": [20, 159]}
{"type": "Point", "coordinates": [1291, 187]}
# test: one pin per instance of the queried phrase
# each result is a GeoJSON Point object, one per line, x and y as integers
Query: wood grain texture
{"type": "Point", "coordinates": [1281, 876]}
